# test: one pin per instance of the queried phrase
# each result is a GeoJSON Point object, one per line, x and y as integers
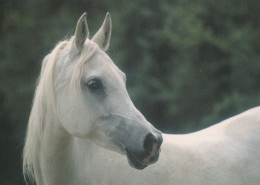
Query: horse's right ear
{"type": "Point", "coordinates": [81, 33]}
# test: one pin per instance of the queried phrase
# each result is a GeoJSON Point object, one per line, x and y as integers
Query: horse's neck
{"type": "Point", "coordinates": [54, 156]}
{"type": "Point", "coordinates": [97, 165]}
{"type": "Point", "coordinates": [64, 159]}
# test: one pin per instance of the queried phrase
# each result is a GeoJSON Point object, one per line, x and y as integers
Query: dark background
{"type": "Point", "coordinates": [189, 64]}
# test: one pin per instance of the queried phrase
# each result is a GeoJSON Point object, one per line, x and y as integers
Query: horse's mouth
{"type": "Point", "coordinates": [134, 162]}
{"type": "Point", "coordinates": [138, 163]}
{"type": "Point", "coordinates": [141, 164]}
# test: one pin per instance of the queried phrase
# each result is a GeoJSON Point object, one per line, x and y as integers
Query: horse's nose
{"type": "Point", "coordinates": [152, 142]}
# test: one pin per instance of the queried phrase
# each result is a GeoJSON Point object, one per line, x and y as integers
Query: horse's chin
{"type": "Point", "coordinates": [133, 162]}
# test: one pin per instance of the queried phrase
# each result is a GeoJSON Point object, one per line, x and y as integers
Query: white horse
{"type": "Point", "coordinates": [83, 122]}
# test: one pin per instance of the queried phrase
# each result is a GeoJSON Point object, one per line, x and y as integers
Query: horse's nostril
{"type": "Point", "coordinates": [160, 140]}
{"type": "Point", "coordinates": [149, 142]}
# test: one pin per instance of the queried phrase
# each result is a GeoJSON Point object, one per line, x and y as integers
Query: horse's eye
{"type": "Point", "coordinates": [94, 84]}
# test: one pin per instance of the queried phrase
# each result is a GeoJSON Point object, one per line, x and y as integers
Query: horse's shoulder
{"type": "Point", "coordinates": [244, 126]}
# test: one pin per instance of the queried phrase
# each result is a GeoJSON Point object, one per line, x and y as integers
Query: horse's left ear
{"type": "Point", "coordinates": [102, 37]}
{"type": "Point", "coordinates": [81, 33]}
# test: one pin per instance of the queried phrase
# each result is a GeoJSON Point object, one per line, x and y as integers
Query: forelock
{"type": "Point", "coordinates": [88, 51]}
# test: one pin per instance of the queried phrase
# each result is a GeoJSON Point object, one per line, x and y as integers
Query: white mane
{"type": "Point", "coordinates": [44, 103]}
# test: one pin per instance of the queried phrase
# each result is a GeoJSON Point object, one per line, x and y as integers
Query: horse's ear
{"type": "Point", "coordinates": [102, 37]}
{"type": "Point", "coordinates": [81, 33]}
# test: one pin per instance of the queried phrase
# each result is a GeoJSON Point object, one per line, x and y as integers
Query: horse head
{"type": "Point", "coordinates": [92, 100]}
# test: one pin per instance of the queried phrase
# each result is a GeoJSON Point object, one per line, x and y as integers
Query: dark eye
{"type": "Point", "coordinates": [94, 84]}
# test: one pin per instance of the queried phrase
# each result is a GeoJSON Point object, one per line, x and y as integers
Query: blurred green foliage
{"type": "Point", "coordinates": [189, 63]}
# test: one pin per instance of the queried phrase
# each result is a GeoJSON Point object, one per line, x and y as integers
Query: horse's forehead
{"type": "Point", "coordinates": [102, 64]}
{"type": "Point", "coordinates": [99, 60]}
